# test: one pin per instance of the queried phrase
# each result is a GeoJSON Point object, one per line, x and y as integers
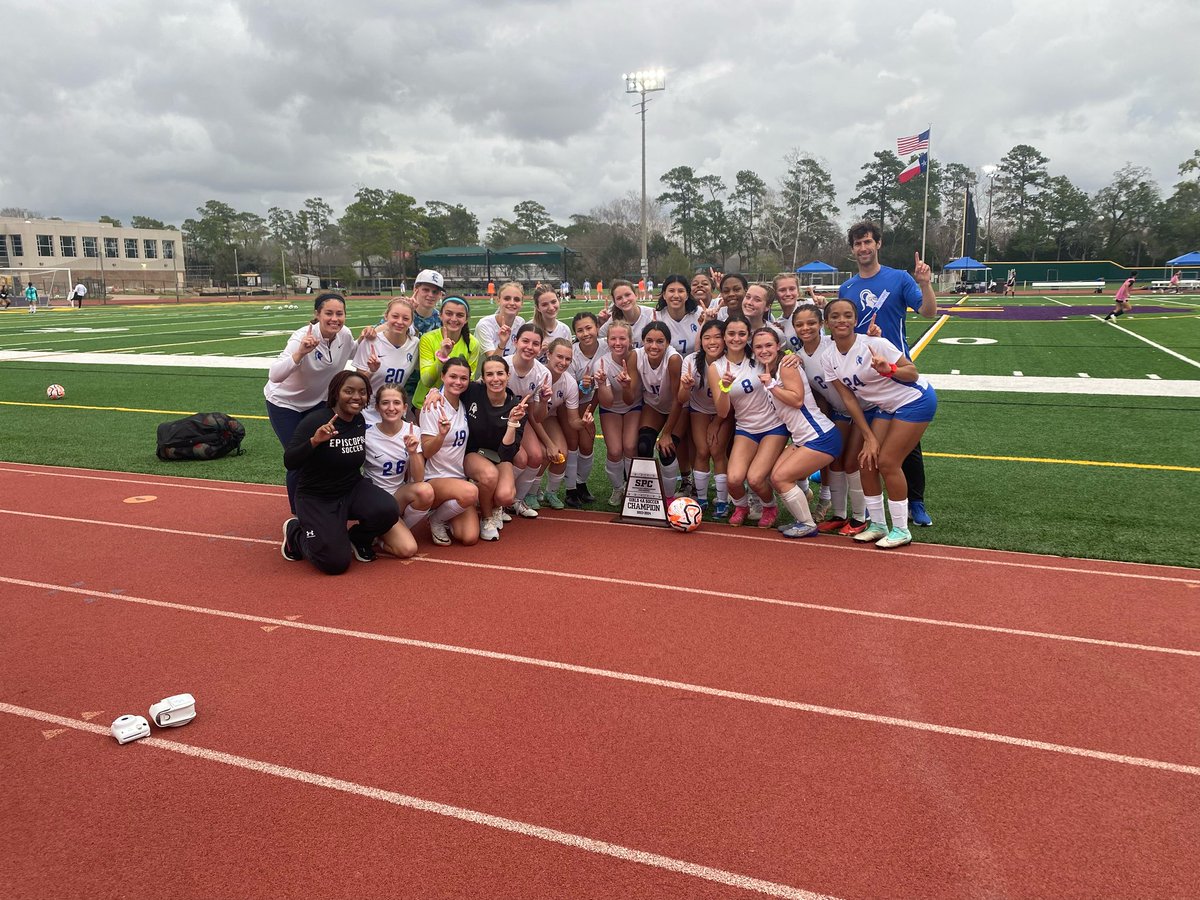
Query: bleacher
{"type": "Point", "coordinates": [1096, 286]}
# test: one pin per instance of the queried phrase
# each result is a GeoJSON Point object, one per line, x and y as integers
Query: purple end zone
{"type": "Point", "coordinates": [1045, 313]}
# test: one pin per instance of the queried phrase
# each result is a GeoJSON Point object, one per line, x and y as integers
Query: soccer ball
{"type": "Point", "coordinates": [684, 514]}
{"type": "Point", "coordinates": [56, 392]}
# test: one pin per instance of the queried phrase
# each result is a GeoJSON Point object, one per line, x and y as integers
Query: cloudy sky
{"type": "Point", "coordinates": [129, 107]}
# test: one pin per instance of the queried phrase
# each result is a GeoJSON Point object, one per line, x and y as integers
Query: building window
{"type": "Point", "coordinates": [150, 247]}
{"type": "Point", "coordinates": [45, 244]}
{"type": "Point", "coordinates": [89, 247]}
{"type": "Point", "coordinates": [18, 246]}
{"type": "Point", "coordinates": [131, 248]}
{"type": "Point", "coordinates": [168, 249]}
{"type": "Point", "coordinates": [110, 248]}
{"type": "Point", "coordinates": [67, 243]}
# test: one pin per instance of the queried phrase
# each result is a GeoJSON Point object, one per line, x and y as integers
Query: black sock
{"type": "Point", "coordinates": [1120, 312]}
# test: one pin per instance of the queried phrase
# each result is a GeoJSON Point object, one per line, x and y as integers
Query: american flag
{"type": "Point", "coordinates": [909, 145]}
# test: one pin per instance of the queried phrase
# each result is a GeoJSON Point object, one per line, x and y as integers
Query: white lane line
{"type": "Point", "coordinates": [189, 484]}
{"type": "Point", "coordinates": [646, 680]}
{"type": "Point", "coordinates": [1059, 302]}
{"type": "Point", "coordinates": [1167, 350]}
{"type": "Point", "coordinates": [474, 817]}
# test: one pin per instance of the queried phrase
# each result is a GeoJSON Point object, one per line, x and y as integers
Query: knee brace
{"type": "Point", "coordinates": [669, 458]}
{"type": "Point", "coordinates": [647, 438]}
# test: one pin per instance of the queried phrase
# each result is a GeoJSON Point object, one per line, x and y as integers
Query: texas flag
{"type": "Point", "coordinates": [915, 168]}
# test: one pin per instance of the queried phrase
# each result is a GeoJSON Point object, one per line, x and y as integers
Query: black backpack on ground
{"type": "Point", "coordinates": [202, 436]}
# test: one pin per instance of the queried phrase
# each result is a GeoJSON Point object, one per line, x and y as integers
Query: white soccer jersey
{"type": "Point", "coordinates": [814, 371]}
{"type": "Point", "coordinates": [645, 317]}
{"type": "Point", "coordinates": [655, 382]}
{"type": "Point", "coordinates": [530, 381]}
{"type": "Point", "coordinates": [584, 365]}
{"type": "Point", "coordinates": [387, 457]}
{"type": "Point", "coordinates": [395, 365]}
{"type": "Point", "coordinates": [611, 368]}
{"type": "Point", "coordinates": [685, 332]}
{"type": "Point", "coordinates": [854, 370]}
{"type": "Point", "coordinates": [752, 409]}
{"type": "Point", "coordinates": [487, 332]}
{"type": "Point", "coordinates": [301, 387]}
{"type": "Point", "coordinates": [701, 399]}
{"type": "Point", "coordinates": [563, 392]}
{"type": "Point", "coordinates": [806, 422]}
{"type": "Point", "coordinates": [560, 330]}
{"type": "Point", "coordinates": [447, 462]}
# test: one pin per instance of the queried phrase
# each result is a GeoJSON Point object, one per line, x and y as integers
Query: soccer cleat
{"type": "Point", "coordinates": [687, 488]}
{"type": "Point", "coordinates": [739, 515]}
{"type": "Point", "coordinates": [440, 532]}
{"type": "Point", "coordinates": [821, 510]}
{"type": "Point", "coordinates": [853, 527]}
{"type": "Point", "coordinates": [288, 548]}
{"type": "Point", "coordinates": [831, 526]}
{"type": "Point", "coordinates": [488, 530]}
{"type": "Point", "coordinates": [552, 500]}
{"type": "Point", "coordinates": [756, 507]}
{"type": "Point", "coordinates": [531, 500]}
{"type": "Point", "coordinates": [497, 518]}
{"type": "Point", "coordinates": [918, 515]}
{"type": "Point", "coordinates": [504, 517]}
{"type": "Point", "coordinates": [524, 510]}
{"type": "Point", "coordinates": [871, 533]}
{"type": "Point", "coordinates": [721, 509]}
{"type": "Point", "coordinates": [571, 499]}
{"type": "Point", "coordinates": [615, 499]}
{"type": "Point", "coordinates": [703, 504]}
{"type": "Point", "coordinates": [584, 494]}
{"type": "Point", "coordinates": [800, 530]}
{"type": "Point", "coordinates": [897, 537]}
{"type": "Point", "coordinates": [769, 515]}
{"type": "Point", "coordinates": [363, 552]}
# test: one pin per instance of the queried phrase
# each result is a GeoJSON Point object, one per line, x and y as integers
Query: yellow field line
{"type": "Point", "coordinates": [1065, 462]}
{"type": "Point", "coordinates": [157, 412]}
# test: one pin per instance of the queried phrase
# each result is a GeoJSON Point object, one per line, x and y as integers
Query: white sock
{"type": "Point", "coordinates": [527, 481]}
{"type": "Point", "coordinates": [875, 510]}
{"type": "Point", "coordinates": [837, 493]}
{"type": "Point", "coordinates": [671, 477]}
{"type": "Point", "coordinates": [744, 501]}
{"type": "Point", "coordinates": [554, 482]}
{"type": "Point", "coordinates": [722, 487]}
{"type": "Point", "coordinates": [858, 503]}
{"type": "Point", "coordinates": [584, 470]}
{"type": "Point", "coordinates": [616, 473]}
{"type": "Point", "coordinates": [572, 469]}
{"type": "Point", "coordinates": [701, 481]}
{"type": "Point", "coordinates": [826, 490]}
{"type": "Point", "coordinates": [797, 505]}
{"type": "Point", "coordinates": [899, 511]}
{"type": "Point", "coordinates": [414, 516]}
{"type": "Point", "coordinates": [444, 513]}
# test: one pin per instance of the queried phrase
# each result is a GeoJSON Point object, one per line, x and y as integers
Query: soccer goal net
{"type": "Point", "coordinates": [52, 284]}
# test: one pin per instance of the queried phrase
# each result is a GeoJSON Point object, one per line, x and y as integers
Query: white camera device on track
{"type": "Point", "coordinates": [130, 728]}
{"type": "Point", "coordinates": [174, 711]}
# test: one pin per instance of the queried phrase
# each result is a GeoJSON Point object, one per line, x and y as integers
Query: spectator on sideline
{"type": "Point", "coordinates": [883, 296]}
{"type": "Point", "coordinates": [78, 294]}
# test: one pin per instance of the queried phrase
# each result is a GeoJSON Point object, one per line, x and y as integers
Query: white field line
{"type": "Point", "coordinates": [1167, 350]}
{"type": "Point", "coordinates": [646, 680]}
{"type": "Point", "coordinates": [474, 817]}
{"type": "Point", "coordinates": [1054, 300]}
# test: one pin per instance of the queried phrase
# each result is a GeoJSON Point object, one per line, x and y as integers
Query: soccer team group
{"type": "Point", "coordinates": [747, 389]}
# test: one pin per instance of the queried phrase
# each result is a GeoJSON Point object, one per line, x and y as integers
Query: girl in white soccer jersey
{"type": "Point", "coordinates": [842, 477]}
{"type": "Point", "coordinates": [815, 440]}
{"type": "Point", "coordinates": [562, 422]}
{"type": "Point", "coordinates": [710, 432]}
{"type": "Point", "coordinates": [654, 382]}
{"type": "Point", "coordinates": [298, 380]}
{"type": "Point", "coordinates": [680, 313]}
{"type": "Point", "coordinates": [759, 434]}
{"type": "Point", "coordinates": [444, 444]}
{"type": "Point", "coordinates": [394, 463]}
{"type": "Point", "coordinates": [497, 333]}
{"type": "Point", "coordinates": [545, 316]}
{"type": "Point", "coordinates": [702, 290]}
{"type": "Point", "coordinates": [585, 356]}
{"type": "Point", "coordinates": [392, 355]}
{"type": "Point", "coordinates": [871, 370]}
{"type": "Point", "coordinates": [756, 307]}
{"type": "Point", "coordinates": [529, 378]}
{"type": "Point", "coordinates": [625, 309]}
{"type": "Point", "coordinates": [787, 291]}
{"type": "Point", "coordinates": [618, 418]}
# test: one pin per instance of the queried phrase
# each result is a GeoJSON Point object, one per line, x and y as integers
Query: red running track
{"type": "Point", "coordinates": [702, 715]}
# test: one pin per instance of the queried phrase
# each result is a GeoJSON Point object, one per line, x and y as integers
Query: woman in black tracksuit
{"type": "Point", "coordinates": [329, 451]}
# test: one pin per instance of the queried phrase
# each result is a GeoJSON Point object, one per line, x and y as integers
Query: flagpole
{"type": "Point", "coordinates": [962, 248]}
{"type": "Point", "coordinates": [928, 169]}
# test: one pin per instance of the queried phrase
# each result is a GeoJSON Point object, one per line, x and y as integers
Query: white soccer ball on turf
{"type": "Point", "coordinates": [56, 392]}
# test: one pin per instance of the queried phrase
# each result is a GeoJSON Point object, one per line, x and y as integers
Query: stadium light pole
{"type": "Point", "coordinates": [990, 171]}
{"type": "Point", "coordinates": [643, 83]}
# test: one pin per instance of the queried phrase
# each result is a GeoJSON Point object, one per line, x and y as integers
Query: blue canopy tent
{"type": "Point", "coordinates": [965, 264]}
{"type": "Point", "coordinates": [817, 268]}
{"type": "Point", "coordinates": [1188, 259]}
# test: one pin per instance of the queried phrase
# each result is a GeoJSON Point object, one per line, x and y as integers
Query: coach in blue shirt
{"type": "Point", "coordinates": [883, 296]}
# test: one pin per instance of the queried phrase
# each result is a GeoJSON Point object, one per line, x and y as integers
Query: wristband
{"type": "Point", "coordinates": [441, 356]}
{"type": "Point", "coordinates": [725, 388]}
{"type": "Point", "coordinates": [892, 373]}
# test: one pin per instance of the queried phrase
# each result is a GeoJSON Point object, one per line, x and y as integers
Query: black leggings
{"type": "Point", "coordinates": [323, 537]}
{"type": "Point", "coordinates": [913, 468]}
